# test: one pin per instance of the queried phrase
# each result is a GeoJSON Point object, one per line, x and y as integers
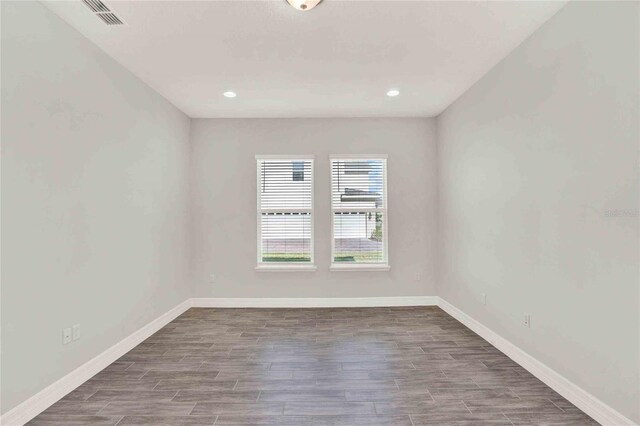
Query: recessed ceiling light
{"type": "Point", "coordinates": [393, 93]}
{"type": "Point", "coordinates": [230, 94]}
{"type": "Point", "coordinates": [304, 5]}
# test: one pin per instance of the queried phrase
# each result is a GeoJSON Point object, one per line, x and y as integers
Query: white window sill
{"type": "Point", "coordinates": [360, 267]}
{"type": "Point", "coordinates": [285, 267]}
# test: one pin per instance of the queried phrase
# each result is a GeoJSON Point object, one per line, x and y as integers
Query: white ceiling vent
{"type": "Point", "coordinates": [103, 12]}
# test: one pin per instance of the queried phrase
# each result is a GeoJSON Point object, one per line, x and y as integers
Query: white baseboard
{"type": "Point", "coordinates": [329, 302]}
{"type": "Point", "coordinates": [33, 406]}
{"type": "Point", "coordinates": [582, 399]}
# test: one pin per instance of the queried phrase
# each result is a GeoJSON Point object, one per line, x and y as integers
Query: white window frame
{"type": "Point", "coordinates": [284, 266]}
{"type": "Point", "coordinates": [346, 266]}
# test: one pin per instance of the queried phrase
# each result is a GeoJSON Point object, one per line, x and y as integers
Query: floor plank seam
{"type": "Point", "coordinates": [192, 408]}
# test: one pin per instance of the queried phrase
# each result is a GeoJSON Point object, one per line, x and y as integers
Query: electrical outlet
{"type": "Point", "coordinates": [483, 297]}
{"type": "Point", "coordinates": [76, 332]}
{"type": "Point", "coordinates": [66, 336]}
{"type": "Point", "coordinates": [212, 278]}
{"type": "Point", "coordinates": [417, 276]}
{"type": "Point", "coordinates": [527, 320]}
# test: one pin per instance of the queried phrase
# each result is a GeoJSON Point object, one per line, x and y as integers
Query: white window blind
{"type": "Point", "coordinates": [285, 211]}
{"type": "Point", "coordinates": [359, 210]}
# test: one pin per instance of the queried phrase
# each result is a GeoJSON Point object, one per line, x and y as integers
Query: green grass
{"type": "Point", "coordinates": [359, 257]}
{"type": "Point", "coordinates": [286, 257]}
{"type": "Point", "coordinates": [356, 257]}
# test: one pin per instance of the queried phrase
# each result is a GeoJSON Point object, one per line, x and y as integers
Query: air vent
{"type": "Point", "coordinates": [101, 10]}
{"type": "Point", "coordinates": [109, 18]}
{"type": "Point", "coordinates": [96, 6]}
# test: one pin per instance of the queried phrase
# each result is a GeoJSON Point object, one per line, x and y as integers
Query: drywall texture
{"type": "Point", "coordinates": [538, 178]}
{"type": "Point", "coordinates": [94, 201]}
{"type": "Point", "coordinates": [224, 204]}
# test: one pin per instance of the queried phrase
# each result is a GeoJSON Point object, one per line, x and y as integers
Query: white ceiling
{"type": "Point", "coordinates": [337, 60]}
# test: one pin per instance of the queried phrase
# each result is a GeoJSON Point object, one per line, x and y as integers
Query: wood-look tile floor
{"type": "Point", "coordinates": [354, 366]}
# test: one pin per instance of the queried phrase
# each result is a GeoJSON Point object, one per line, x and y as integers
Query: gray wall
{"type": "Point", "coordinates": [538, 178]}
{"type": "Point", "coordinates": [224, 204]}
{"type": "Point", "coordinates": [538, 192]}
{"type": "Point", "coordinates": [94, 201]}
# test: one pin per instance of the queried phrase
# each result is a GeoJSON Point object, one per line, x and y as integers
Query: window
{"type": "Point", "coordinates": [285, 213]}
{"type": "Point", "coordinates": [298, 171]}
{"type": "Point", "coordinates": [359, 213]}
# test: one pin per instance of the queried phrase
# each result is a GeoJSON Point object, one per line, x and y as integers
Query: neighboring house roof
{"type": "Point", "coordinates": [351, 195]}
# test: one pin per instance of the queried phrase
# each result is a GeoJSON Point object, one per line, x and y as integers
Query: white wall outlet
{"type": "Point", "coordinates": [483, 298]}
{"type": "Point", "coordinates": [417, 276]}
{"type": "Point", "coordinates": [66, 336]}
{"type": "Point", "coordinates": [527, 320]}
{"type": "Point", "coordinates": [212, 278]}
{"type": "Point", "coordinates": [76, 332]}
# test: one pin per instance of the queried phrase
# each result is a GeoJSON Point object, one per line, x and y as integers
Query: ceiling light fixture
{"type": "Point", "coordinates": [304, 5]}
{"type": "Point", "coordinates": [229, 94]}
{"type": "Point", "coordinates": [393, 93]}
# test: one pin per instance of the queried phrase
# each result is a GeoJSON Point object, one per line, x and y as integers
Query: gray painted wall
{"type": "Point", "coordinates": [538, 179]}
{"type": "Point", "coordinates": [224, 204]}
{"type": "Point", "coordinates": [94, 201]}
{"type": "Point", "coordinates": [538, 188]}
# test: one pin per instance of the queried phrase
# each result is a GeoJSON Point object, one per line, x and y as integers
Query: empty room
{"type": "Point", "coordinates": [308, 212]}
